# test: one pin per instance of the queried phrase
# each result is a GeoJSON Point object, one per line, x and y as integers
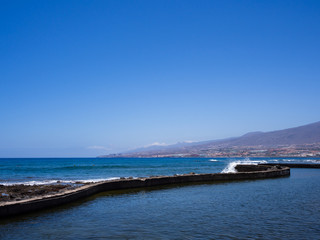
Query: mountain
{"type": "Point", "coordinates": [303, 137]}
{"type": "Point", "coordinates": [306, 134]}
{"type": "Point", "coordinates": [157, 147]}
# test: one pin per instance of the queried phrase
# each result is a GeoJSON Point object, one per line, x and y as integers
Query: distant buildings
{"type": "Point", "coordinates": [304, 150]}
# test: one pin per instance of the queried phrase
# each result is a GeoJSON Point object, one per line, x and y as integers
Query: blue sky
{"type": "Point", "coordinates": [84, 78]}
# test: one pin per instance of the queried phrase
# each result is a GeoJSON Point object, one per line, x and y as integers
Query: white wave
{"type": "Point", "coordinates": [45, 182]}
{"type": "Point", "coordinates": [289, 160]}
{"type": "Point", "coordinates": [296, 160]}
{"type": "Point", "coordinates": [230, 168]}
{"type": "Point", "coordinates": [48, 182]}
{"type": "Point", "coordinates": [313, 161]}
{"type": "Point", "coordinates": [213, 160]}
{"type": "Point", "coordinates": [97, 180]}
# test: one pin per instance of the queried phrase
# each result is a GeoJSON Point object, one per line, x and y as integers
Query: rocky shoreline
{"type": "Point", "coordinates": [19, 192]}
{"type": "Point", "coordinates": [14, 193]}
{"type": "Point", "coordinates": [53, 195]}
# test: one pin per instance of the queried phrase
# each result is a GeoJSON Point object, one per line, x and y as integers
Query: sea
{"type": "Point", "coordinates": [279, 208]}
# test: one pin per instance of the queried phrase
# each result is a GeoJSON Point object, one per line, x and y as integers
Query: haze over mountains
{"type": "Point", "coordinates": [299, 135]}
{"type": "Point", "coordinates": [298, 141]}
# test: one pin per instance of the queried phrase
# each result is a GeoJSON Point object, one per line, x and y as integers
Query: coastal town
{"type": "Point", "coordinates": [302, 141]}
{"type": "Point", "coordinates": [305, 150]}
{"type": "Point", "coordinates": [302, 150]}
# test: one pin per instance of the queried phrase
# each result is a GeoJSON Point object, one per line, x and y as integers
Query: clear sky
{"type": "Point", "coordinates": [84, 78]}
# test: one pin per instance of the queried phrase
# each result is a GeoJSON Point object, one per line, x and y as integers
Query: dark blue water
{"type": "Point", "coordinates": [44, 170]}
{"type": "Point", "coordinates": [281, 208]}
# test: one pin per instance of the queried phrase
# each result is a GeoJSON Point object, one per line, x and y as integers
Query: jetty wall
{"type": "Point", "coordinates": [245, 172]}
{"type": "Point", "coordinates": [295, 165]}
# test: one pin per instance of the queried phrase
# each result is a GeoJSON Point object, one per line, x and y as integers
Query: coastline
{"type": "Point", "coordinates": [17, 192]}
{"type": "Point", "coordinates": [245, 172]}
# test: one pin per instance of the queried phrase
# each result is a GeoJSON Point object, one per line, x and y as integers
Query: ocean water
{"type": "Point", "coordinates": [43, 171]}
{"type": "Point", "coordinates": [50, 170]}
{"type": "Point", "coordinates": [280, 208]}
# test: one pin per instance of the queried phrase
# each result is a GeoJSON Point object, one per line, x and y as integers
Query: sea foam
{"type": "Point", "coordinates": [230, 168]}
{"type": "Point", "coordinates": [48, 182]}
{"type": "Point", "coordinates": [213, 160]}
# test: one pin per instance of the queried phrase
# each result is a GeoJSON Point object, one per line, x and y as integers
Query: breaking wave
{"type": "Point", "coordinates": [230, 168]}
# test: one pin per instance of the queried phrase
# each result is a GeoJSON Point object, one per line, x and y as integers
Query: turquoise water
{"type": "Point", "coordinates": [282, 208]}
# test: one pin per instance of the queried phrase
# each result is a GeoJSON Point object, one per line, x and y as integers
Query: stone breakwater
{"type": "Point", "coordinates": [245, 172]}
{"type": "Point", "coordinates": [296, 165]}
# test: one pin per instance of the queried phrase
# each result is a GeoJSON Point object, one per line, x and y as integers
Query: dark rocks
{"type": "Point", "coordinates": [251, 168]}
{"type": "Point", "coordinates": [18, 192]}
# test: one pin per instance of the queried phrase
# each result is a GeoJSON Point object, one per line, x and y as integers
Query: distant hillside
{"type": "Point", "coordinates": [299, 135]}
{"type": "Point", "coordinates": [307, 134]}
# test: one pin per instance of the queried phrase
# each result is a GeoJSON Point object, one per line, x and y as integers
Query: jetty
{"type": "Point", "coordinates": [295, 165]}
{"type": "Point", "coordinates": [244, 172]}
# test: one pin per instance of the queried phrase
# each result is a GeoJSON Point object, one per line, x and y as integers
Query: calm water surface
{"type": "Point", "coordinates": [283, 208]}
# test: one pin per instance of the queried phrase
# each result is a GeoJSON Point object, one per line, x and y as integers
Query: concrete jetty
{"type": "Point", "coordinates": [245, 172]}
{"type": "Point", "coordinates": [295, 165]}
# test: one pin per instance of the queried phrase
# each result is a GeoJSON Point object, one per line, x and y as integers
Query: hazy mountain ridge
{"type": "Point", "coordinates": [298, 136]}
